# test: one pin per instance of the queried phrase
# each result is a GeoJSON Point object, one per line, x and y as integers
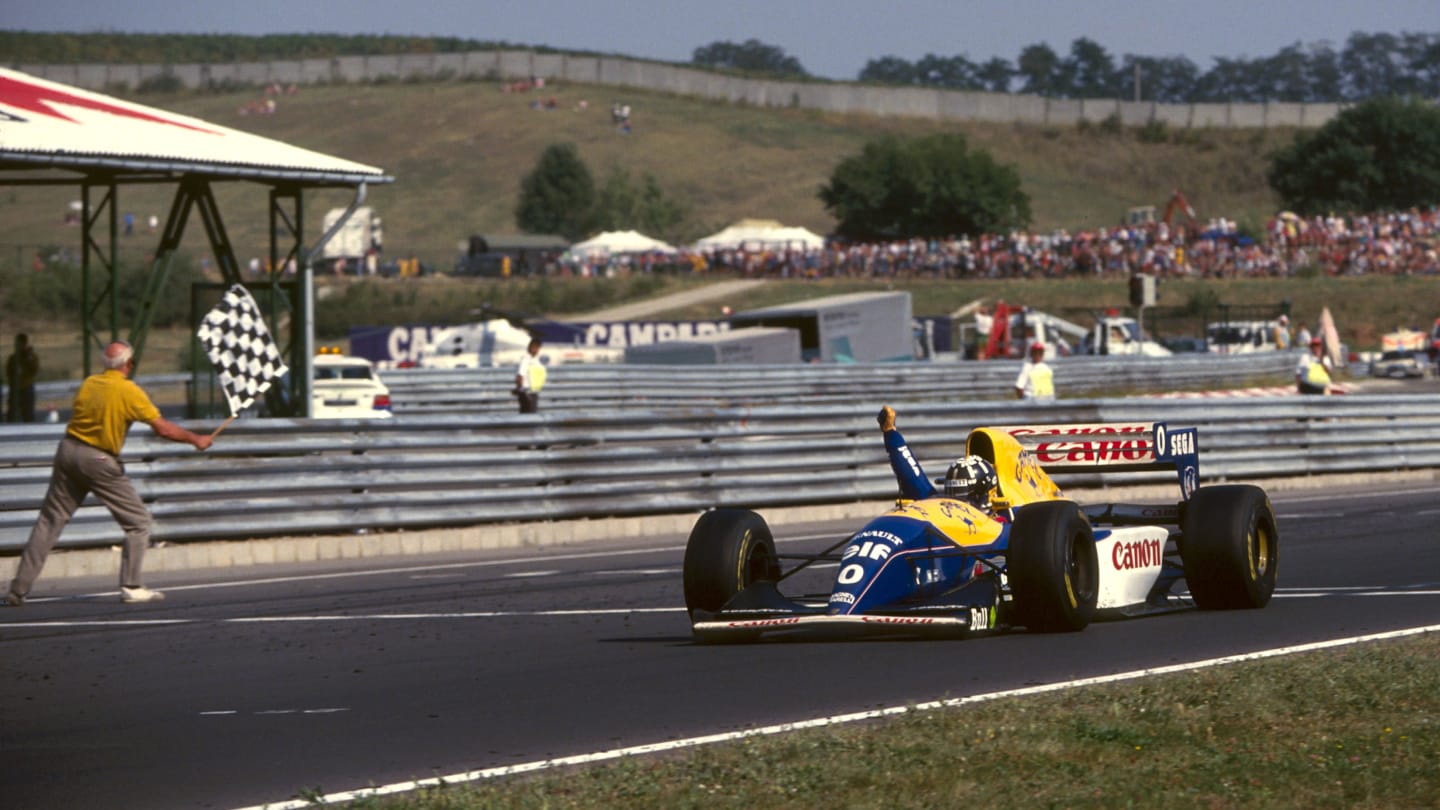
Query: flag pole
{"type": "Point", "coordinates": [223, 425]}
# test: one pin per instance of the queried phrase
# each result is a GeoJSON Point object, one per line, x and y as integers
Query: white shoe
{"type": "Point", "coordinates": [141, 594]}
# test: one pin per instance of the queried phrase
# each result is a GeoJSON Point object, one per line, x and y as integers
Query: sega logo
{"type": "Point", "coordinates": [1174, 443]}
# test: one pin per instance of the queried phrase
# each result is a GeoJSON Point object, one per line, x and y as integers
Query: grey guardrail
{"type": "Point", "coordinates": [439, 391]}
{"type": "Point", "coordinates": [286, 477]}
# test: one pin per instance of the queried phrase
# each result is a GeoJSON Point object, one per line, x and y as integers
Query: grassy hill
{"type": "Point", "coordinates": [459, 149]}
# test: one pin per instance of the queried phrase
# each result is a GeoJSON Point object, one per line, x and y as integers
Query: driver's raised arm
{"type": "Point", "coordinates": [908, 473]}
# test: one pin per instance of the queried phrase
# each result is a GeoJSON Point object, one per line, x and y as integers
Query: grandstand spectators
{"type": "Point", "coordinates": [1401, 243]}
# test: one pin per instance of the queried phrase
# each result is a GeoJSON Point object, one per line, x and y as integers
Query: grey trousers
{"type": "Point", "coordinates": [80, 469]}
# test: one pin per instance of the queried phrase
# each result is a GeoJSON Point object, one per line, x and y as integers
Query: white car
{"type": "Point", "coordinates": [347, 388]}
{"type": "Point", "coordinates": [1401, 363]}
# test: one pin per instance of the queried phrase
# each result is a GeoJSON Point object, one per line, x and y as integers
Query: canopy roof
{"type": "Point", "coordinates": [619, 242]}
{"type": "Point", "coordinates": [761, 234]}
{"type": "Point", "coordinates": [47, 125]}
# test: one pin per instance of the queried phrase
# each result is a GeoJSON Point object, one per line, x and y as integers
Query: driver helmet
{"type": "Point", "coordinates": [970, 479]}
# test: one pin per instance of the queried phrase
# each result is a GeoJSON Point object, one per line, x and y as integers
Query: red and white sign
{"type": "Point", "coordinates": [1087, 445]}
{"type": "Point", "coordinates": [50, 121]}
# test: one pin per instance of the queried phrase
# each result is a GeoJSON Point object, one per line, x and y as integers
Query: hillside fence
{"type": "Point", "coordinates": [613, 71]}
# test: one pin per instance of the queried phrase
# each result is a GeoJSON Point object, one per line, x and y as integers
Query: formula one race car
{"type": "Point", "coordinates": [1028, 558]}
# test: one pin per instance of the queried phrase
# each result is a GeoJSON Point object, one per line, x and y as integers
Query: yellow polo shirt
{"type": "Point", "coordinates": [105, 407]}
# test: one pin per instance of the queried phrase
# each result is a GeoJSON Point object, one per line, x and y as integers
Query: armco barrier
{"type": "Point", "coordinates": [286, 477]}
{"type": "Point", "coordinates": [581, 387]}
{"type": "Point", "coordinates": [584, 387]}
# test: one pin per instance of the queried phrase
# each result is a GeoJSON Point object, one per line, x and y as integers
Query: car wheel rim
{"type": "Point", "coordinates": [1258, 548]}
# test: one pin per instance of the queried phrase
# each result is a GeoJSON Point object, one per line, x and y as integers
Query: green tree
{"type": "Point", "coordinates": [1040, 69]}
{"type": "Point", "coordinates": [995, 75]}
{"type": "Point", "coordinates": [1089, 70]}
{"type": "Point", "coordinates": [751, 55]}
{"type": "Point", "coordinates": [888, 70]}
{"type": "Point", "coordinates": [952, 72]}
{"type": "Point", "coordinates": [1374, 65]}
{"type": "Point", "coordinates": [622, 204]}
{"type": "Point", "coordinates": [558, 195]}
{"type": "Point", "coordinates": [1381, 154]}
{"type": "Point", "coordinates": [1166, 79]}
{"type": "Point", "coordinates": [934, 186]}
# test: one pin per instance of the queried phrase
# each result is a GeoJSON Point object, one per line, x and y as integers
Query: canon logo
{"type": "Point", "coordinates": [1136, 554]}
{"type": "Point", "coordinates": [763, 623]}
{"type": "Point", "coordinates": [896, 620]}
{"type": "Point", "coordinates": [1096, 452]}
{"type": "Point", "coordinates": [1084, 443]}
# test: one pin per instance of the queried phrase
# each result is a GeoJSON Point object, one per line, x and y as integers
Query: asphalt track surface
{"type": "Point", "coordinates": [249, 687]}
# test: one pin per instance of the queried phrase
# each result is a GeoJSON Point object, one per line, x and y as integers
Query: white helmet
{"type": "Point", "coordinates": [970, 479]}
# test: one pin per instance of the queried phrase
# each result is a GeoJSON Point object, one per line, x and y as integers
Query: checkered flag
{"type": "Point", "coordinates": [240, 347]}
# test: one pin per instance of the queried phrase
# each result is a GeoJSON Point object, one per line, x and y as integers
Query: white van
{"type": "Point", "coordinates": [1241, 337]}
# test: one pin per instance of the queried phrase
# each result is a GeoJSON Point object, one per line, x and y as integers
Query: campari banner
{"type": "Point", "coordinates": [391, 346]}
{"type": "Point", "coordinates": [395, 345]}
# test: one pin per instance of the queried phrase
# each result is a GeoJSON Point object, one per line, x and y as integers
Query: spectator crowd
{"type": "Point", "coordinates": [1396, 243]}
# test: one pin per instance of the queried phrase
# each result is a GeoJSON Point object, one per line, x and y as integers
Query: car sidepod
{"type": "Point", "coordinates": [1132, 563]}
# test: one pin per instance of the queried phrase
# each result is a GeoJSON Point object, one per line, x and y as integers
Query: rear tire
{"type": "Point", "coordinates": [1052, 566]}
{"type": "Point", "coordinates": [728, 550]}
{"type": "Point", "coordinates": [1230, 547]}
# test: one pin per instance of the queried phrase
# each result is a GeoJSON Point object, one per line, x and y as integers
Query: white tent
{"type": "Point", "coordinates": [611, 242]}
{"type": "Point", "coordinates": [759, 234]}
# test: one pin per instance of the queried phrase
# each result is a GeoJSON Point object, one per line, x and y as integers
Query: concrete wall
{"type": "Point", "coordinates": [836, 97]}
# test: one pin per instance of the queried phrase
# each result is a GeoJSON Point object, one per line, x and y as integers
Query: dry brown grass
{"type": "Point", "coordinates": [459, 149]}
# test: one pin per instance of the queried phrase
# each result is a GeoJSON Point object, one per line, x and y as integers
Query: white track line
{"type": "Point", "coordinates": [833, 720]}
{"type": "Point", "coordinates": [1426, 589]}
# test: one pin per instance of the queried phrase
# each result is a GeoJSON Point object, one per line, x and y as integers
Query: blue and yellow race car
{"type": "Point", "coordinates": [1001, 546]}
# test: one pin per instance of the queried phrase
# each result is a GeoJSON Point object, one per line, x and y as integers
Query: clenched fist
{"type": "Point", "coordinates": [886, 418]}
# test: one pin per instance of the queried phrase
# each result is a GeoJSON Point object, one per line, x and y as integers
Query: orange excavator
{"type": "Point", "coordinates": [1178, 202]}
{"type": "Point", "coordinates": [1001, 343]}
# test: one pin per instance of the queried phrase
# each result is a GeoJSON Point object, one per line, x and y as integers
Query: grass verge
{"type": "Point", "coordinates": [1345, 728]}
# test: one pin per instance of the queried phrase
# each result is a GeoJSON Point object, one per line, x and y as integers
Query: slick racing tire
{"type": "Point", "coordinates": [1230, 547]}
{"type": "Point", "coordinates": [728, 550]}
{"type": "Point", "coordinates": [1052, 567]}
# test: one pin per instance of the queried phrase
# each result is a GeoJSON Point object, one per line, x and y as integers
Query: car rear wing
{"type": "Point", "coordinates": [1114, 447]}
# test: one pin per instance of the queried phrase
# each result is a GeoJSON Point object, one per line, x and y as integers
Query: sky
{"type": "Point", "coordinates": [831, 38]}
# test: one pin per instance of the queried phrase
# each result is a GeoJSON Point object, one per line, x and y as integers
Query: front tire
{"type": "Point", "coordinates": [1230, 547]}
{"type": "Point", "coordinates": [728, 550]}
{"type": "Point", "coordinates": [1052, 567]}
